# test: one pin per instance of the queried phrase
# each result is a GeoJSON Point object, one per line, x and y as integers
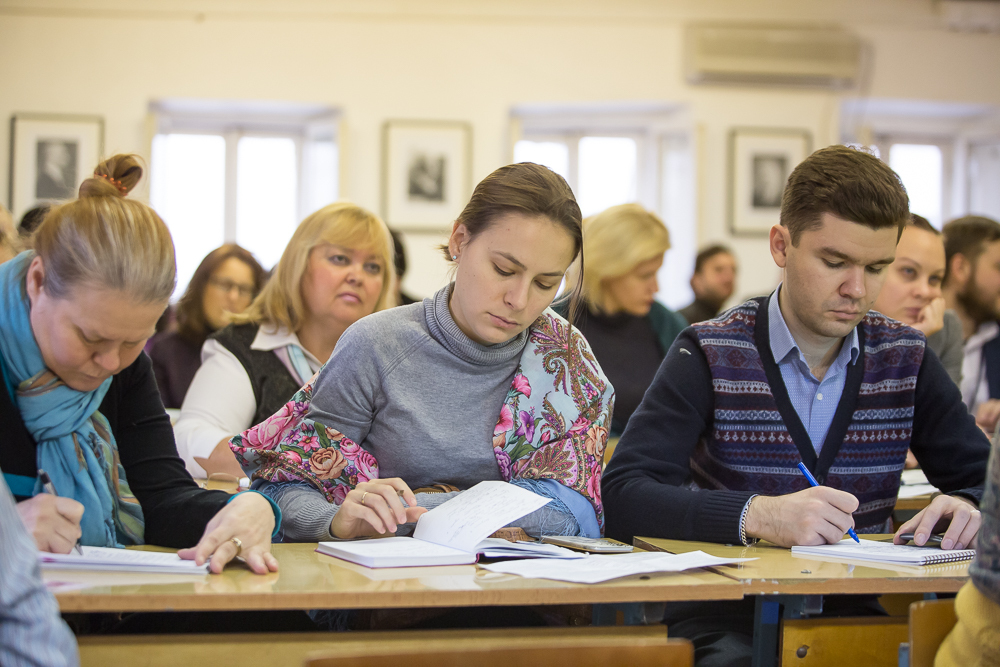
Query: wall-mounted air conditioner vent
{"type": "Point", "coordinates": [805, 56]}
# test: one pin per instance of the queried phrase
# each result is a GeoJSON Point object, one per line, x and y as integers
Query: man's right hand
{"type": "Point", "coordinates": [817, 515]}
{"type": "Point", "coordinates": [54, 522]}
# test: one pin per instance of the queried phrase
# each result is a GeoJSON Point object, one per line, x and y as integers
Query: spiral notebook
{"type": "Point", "coordinates": [885, 552]}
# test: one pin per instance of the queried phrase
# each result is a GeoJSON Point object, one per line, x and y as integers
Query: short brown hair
{"type": "Point", "coordinates": [849, 183]}
{"type": "Point", "coordinates": [968, 237]}
{"type": "Point", "coordinates": [191, 323]}
{"type": "Point", "coordinates": [533, 190]}
{"type": "Point", "coordinates": [708, 253]}
{"type": "Point", "coordinates": [107, 241]}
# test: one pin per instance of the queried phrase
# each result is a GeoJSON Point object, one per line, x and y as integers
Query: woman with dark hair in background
{"type": "Point", "coordinates": [223, 285]}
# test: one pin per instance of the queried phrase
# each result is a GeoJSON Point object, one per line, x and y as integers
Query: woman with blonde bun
{"type": "Point", "coordinates": [80, 402]}
{"type": "Point", "coordinates": [337, 268]}
{"type": "Point", "coordinates": [629, 330]}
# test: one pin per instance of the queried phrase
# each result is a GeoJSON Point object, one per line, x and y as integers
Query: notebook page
{"type": "Point", "coordinates": [394, 547]}
{"type": "Point", "coordinates": [121, 560]}
{"type": "Point", "coordinates": [885, 552]}
{"type": "Point", "coordinates": [468, 518]}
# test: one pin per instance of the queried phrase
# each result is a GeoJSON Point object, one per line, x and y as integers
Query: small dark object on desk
{"type": "Point", "coordinates": [932, 541]}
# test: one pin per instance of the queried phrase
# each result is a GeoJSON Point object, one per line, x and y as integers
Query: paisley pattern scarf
{"type": "Point", "coordinates": [553, 424]}
{"type": "Point", "coordinates": [75, 444]}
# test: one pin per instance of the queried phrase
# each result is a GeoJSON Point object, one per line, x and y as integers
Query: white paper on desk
{"type": "Point", "coordinates": [471, 516]}
{"type": "Point", "coordinates": [597, 568]}
{"type": "Point", "coordinates": [914, 476]}
{"type": "Point", "coordinates": [104, 559]}
{"type": "Point", "coordinates": [493, 547]}
{"type": "Point", "coordinates": [914, 490]}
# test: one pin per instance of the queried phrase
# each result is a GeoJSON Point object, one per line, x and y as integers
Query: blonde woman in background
{"type": "Point", "coordinates": [629, 331]}
{"type": "Point", "coordinates": [337, 268]}
{"type": "Point", "coordinates": [79, 398]}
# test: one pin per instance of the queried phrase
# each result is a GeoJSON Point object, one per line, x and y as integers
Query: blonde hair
{"type": "Point", "coordinates": [104, 240]}
{"type": "Point", "coordinates": [344, 224]}
{"type": "Point", "coordinates": [10, 241]}
{"type": "Point", "coordinates": [617, 240]}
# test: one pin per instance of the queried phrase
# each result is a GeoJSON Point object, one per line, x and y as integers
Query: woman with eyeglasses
{"type": "Point", "coordinates": [336, 269]}
{"type": "Point", "coordinates": [223, 285]}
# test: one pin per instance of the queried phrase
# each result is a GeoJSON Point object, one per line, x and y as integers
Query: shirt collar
{"type": "Point", "coordinates": [269, 339]}
{"type": "Point", "coordinates": [984, 334]}
{"type": "Point", "coordinates": [783, 344]}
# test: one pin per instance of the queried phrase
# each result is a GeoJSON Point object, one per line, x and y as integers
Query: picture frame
{"type": "Point", "coordinates": [426, 173]}
{"type": "Point", "coordinates": [50, 156]}
{"type": "Point", "coordinates": [760, 161]}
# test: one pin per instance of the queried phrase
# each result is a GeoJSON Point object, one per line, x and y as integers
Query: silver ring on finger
{"type": "Point", "coordinates": [363, 498]}
{"type": "Point", "coordinates": [239, 545]}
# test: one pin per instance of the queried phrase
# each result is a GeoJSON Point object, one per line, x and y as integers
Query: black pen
{"type": "Point", "coordinates": [51, 490]}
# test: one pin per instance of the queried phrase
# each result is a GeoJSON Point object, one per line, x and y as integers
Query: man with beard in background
{"type": "Point", "coordinates": [972, 290]}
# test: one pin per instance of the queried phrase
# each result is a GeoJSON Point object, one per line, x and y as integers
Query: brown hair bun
{"type": "Point", "coordinates": [115, 177]}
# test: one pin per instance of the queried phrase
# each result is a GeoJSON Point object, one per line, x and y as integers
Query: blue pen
{"type": "Point", "coordinates": [812, 482]}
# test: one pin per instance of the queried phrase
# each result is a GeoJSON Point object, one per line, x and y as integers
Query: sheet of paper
{"type": "Point", "coordinates": [914, 490]}
{"type": "Point", "coordinates": [493, 547]}
{"type": "Point", "coordinates": [468, 518]}
{"type": "Point", "coordinates": [597, 568]}
{"type": "Point", "coordinates": [121, 560]}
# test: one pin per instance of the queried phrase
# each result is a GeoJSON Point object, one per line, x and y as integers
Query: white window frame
{"type": "Point", "coordinates": [655, 127]}
{"type": "Point", "coordinates": [234, 120]}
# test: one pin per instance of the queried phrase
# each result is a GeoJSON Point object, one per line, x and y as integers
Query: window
{"type": "Point", "coordinates": [239, 173]}
{"type": "Point", "coordinates": [921, 168]}
{"type": "Point", "coordinates": [617, 155]}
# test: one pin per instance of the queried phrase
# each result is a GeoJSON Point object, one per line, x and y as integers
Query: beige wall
{"type": "Point", "coordinates": [458, 60]}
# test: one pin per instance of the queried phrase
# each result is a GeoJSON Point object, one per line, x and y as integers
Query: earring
{"type": "Point", "coordinates": [454, 258]}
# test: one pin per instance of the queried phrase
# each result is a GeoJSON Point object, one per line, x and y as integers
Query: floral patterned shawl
{"type": "Point", "coordinates": [553, 424]}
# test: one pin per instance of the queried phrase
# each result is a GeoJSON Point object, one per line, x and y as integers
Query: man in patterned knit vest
{"type": "Point", "coordinates": [809, 375]}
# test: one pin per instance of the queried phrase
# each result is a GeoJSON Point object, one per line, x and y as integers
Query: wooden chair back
{"type": "Point", "coordinates": [930, 623]}
{"type": "Point", "coordinates": [673, 653]}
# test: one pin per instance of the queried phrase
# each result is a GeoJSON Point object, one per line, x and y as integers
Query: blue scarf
{"type": "Point", "coordinates": [75, 444]}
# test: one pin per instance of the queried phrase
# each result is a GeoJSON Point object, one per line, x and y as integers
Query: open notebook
{"type": "Point", "coordinates": [104, 559]}
{"type": "Point", "coordinates": [455, 532]}
{"type": "Point", "coordinates": [885, 552]}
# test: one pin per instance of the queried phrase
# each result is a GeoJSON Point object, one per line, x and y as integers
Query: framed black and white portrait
{"type": "Point", "coordinates": [50, 156]}
{"type": "Point", "coordinates": [426, 176]}
{"type": "Point", "coordinates": [760, 161]}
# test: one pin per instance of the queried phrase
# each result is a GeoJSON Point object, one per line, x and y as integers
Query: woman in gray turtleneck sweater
{"type": "Point", "coordinates": [420, 387]}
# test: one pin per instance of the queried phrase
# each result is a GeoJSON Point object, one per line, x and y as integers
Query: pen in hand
{"type": "Point", "coordinates": [51, 490]}
{"type": "Point", "coordinates": [812, 482]}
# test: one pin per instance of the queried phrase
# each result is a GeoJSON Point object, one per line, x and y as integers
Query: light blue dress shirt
{"type": "Point", "coordinates": [815, 401]}
{"type": "Point", "coordinates": [31, 632]}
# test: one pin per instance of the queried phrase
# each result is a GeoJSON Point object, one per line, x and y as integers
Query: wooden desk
{"type": "Point", "coordinates": [799, 584]}
{"type": "Point", "coordinates": [308, 580]}
{"type": "Point", "coordinates": [778, 572]}
{"type": "Point", "coordinates": [915, 503]}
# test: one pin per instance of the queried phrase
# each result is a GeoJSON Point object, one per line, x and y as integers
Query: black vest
{"type": "Point", "coordinates": [273, 385]}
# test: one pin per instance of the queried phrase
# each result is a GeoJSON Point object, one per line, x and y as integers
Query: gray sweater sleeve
{"type": "Point", "coordinates": [306, 515]}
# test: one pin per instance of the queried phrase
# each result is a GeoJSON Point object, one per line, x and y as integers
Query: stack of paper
{"type": "Point", "coordinates": [103, 559]}
{"type": "Point", "coordinates": [594, 569]}
{"type": "Point", "coordinates": [914, 483]}
{"type": "Point", "coordinates": [885, 552]}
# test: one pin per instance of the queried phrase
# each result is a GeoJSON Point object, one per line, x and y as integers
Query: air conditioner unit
{"type": "Point", "coordinates": [754, 54]}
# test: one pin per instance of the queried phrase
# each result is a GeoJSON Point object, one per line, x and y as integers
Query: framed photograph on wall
{"type": "Point", "coordinates": [50, 156]}
{"type": "Point", "coordinates": [426, 173]}
{"type": "Point", "coordinates": [760, 161]}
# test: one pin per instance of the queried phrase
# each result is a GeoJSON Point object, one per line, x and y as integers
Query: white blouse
{"type": "Point", "coordinates": [220, 401]}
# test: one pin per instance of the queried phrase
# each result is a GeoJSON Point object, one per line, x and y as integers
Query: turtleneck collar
{"type": "Point", "coordinates": [444, 330]}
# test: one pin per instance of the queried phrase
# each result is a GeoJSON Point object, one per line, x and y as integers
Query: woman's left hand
{"type": "Point", "coordinates": [248, 518]}
{"type": "Point", "coordinates": [931, 319]}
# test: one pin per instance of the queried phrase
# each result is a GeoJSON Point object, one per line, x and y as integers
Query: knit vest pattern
{"type": "Point", "coordinates": [272, 384]}
{"type": "Point", "coordinates": [749, 446]}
